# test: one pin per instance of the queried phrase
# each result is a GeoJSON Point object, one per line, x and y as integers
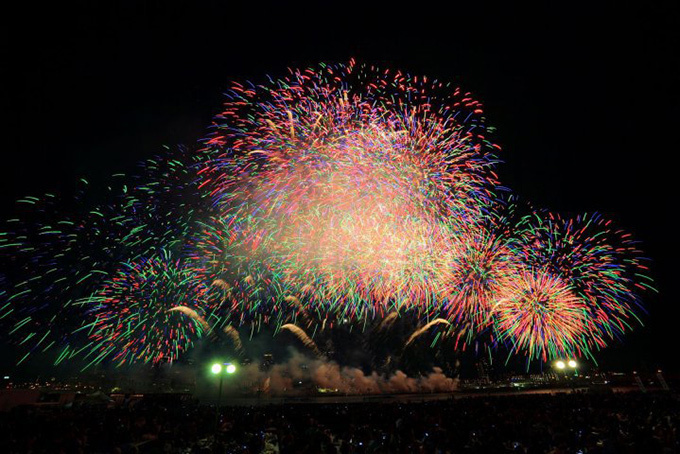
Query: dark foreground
{"type": "Point", "coordinates": [564, 423]}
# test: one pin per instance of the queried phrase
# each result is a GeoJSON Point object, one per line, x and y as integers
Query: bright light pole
{"type": "Point", "coordinates": [217, 369]}
{"type": "Point", "coordinates": [573, 364]}
{"type": "Point", "coordinates": [561, 365]}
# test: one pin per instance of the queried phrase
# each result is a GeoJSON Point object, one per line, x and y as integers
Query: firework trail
{"type": "Point", "coordinates": [422, 330]}
{"type": "Point", "coordinates": [386, 322]}
{"type": "Point", "coordinates": [235, 338]}
{"type": "Point", "coordinates": [222, 284]}
{"type": "Point", "coordinates": [304, 338]}
{"type": "Point", "coordinates": [194, 315]}
{"type": "Point", "coordinates": [299, 307]}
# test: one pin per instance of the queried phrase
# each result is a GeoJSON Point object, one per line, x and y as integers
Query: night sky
{"type": "Point", "coordinates": [585, 101]}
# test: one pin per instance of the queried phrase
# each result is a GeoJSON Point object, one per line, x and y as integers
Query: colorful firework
{"type": "Point", "coordinates": [541, 315]}
{"type": "Point", "coordinates": [480, 269]}
{"type": "Point", "coordinates": [353, 179]}
{"type": "Point", "coordinates": [341, 195]}
{"type": "Point", "coordinates": [601, 264]}
{"type": "Point", "coordinates": [58, 251]}
{"type": "Point", "coordinates": [151, 310]}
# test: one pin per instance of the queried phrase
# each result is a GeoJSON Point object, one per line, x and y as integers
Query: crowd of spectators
{"type": "Point", "coordinates": [563, 423]}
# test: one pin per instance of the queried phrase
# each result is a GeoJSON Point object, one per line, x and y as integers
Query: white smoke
{"type": "Point", "coordinates": [282, 379]}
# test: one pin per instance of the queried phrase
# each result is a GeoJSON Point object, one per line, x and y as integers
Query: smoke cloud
{"type": "Point", "coordinates": [300, 373]}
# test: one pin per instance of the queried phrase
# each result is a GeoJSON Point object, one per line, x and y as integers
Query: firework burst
{"type": "Point", "coordinates": [353, 179]}
{"type": "Point", "coordinates": [540, 315]}
{"type": "Point", "coordinates": [337, 196]}
{"type": "Point", "coordinates": [600, 263]}
{"type": "Point", "coordinates": [151, 310]}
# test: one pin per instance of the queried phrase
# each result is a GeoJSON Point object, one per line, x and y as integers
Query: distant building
{"type": "Point", "coordinates": [483, 370]}
{"type": "Point", "coordinates": [267, 362]}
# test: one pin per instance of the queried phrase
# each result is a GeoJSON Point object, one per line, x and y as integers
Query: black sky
{"type": "Point", "coordinates": [585, 100]}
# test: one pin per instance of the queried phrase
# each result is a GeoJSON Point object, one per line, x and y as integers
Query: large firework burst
{"type": "Point", "coordinates": [338, 195]}
{"type": "Point", "coordinates": [357, 180]}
